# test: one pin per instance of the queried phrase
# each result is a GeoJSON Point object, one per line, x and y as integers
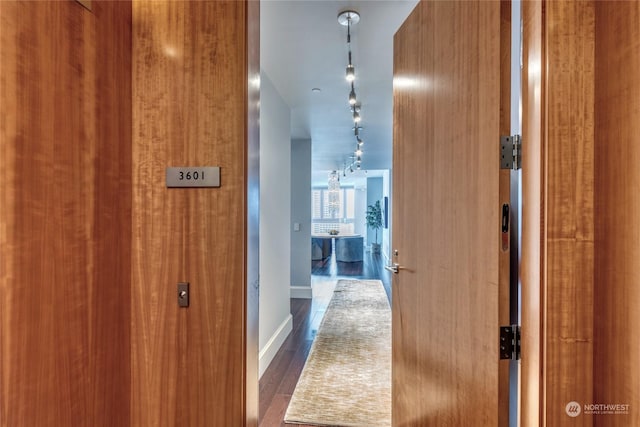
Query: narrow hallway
{"type": "Point", "coordinates": [280, 379]}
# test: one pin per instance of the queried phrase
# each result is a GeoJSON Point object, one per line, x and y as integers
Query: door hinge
{"type": "Point", "coordinates": [511, 152]}
{"type": "Point", "coordinates": [510, 342]}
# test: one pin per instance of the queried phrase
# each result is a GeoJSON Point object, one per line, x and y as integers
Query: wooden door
{"type": "Point", "coordinates": [190, 366]}
{"type": "Point", "coordinates": [446, 221]}
{"type": "Point", "coordinates": [65, 213]}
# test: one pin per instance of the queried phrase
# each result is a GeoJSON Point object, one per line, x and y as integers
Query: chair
{"type": "Point", "coordinates": [320, 248]}
{"type": "Point", "coordinates": [349, 249]}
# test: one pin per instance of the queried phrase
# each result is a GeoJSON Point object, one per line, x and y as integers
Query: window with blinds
{"type": "Point", "coordinates": [323, 220]}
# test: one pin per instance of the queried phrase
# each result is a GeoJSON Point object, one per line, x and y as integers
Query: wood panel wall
{"type": "Point", "coordinates": [65, 213]}
{"type": "Point", "coordinates": [617, 210]}
{"type": "Point", "coordinates": [569, 211]}
{"type": "Point", "coordinates": [558, 211]}
{"type": "Point", "coordinates": [504, 196]}
{"type": "Point", "coordinates": [533, 198]}
{"type": "Point", "coordinates": [189, 109]}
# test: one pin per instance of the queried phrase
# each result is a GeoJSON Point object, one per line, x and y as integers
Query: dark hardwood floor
{"type": "Point", "coordinates": [279, 380]}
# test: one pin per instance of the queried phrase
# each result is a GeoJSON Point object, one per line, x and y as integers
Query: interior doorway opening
{"type": "Point", "coordinates": [306, 134]}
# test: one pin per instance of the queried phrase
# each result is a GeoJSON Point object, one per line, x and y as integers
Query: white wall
{"type": "Point", "coordinates": [275, 215]}
{"type": "Point", "coordinates": [301, 214]}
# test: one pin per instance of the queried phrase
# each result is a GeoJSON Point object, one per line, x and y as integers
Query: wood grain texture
{"type": "Point", "coordinates": [189, 108]}
{"type": "Point", "coordinates": [65, 143]}
{"type": "Point", "coordinates": [533, 199]}
{"type": "Point", "coordinates": [504, 258]}
{"type": "Point", "coordinates": [446, 215]}
{"type": "Point", "coordinates": [617, 210]}
{"type": "Point", "coordinates": [568, 224]}
{"type": "Point", "coordinates": [558, 211]}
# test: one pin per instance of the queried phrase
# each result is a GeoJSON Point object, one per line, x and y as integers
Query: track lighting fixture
{"type": "Point", "coordinates": [349, 18]}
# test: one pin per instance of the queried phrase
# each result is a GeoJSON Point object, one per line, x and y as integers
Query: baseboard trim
{"type": "Point", "coordinates": [269, 351]}
{"type": "Point", "coordinates": [303, 292]}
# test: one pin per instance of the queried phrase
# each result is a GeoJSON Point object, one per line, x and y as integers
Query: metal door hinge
{"type": "Point", "coordinates": [511, 152]}
{"type": "Point", "coordinates": [510, 342]}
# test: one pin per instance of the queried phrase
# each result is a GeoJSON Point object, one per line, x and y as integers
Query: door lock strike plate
{"type": "Point", "coordinates": [183, 294]}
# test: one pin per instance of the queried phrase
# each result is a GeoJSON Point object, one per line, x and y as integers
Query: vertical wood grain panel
{"type": "Point", "coordinates": [65, 143]}
{"type": "Point", "coordinates": [504, 195]}
{"type": "Point", "coordinates": [189, 109]}
{"type": "Point", "coordinates": [558, 210]}
{"type": "Point", "coordinates": [617, 208]}
{"type": "Point", "coordinates": [569, 228]}
{"type": "Point", "coordinates": [533, 198]}
{"type": "Point", "coordinates": [446, 217]}
{"type": "Point", "coordinates": [413, 65]}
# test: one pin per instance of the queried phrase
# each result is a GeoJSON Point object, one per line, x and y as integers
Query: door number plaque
{"type": "Point", "coordinates": [185, 177]}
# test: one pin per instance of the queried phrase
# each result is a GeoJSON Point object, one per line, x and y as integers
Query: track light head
{"type": "Point", "coordinates": [352, 96]}
{"type": "Point", "coordinates": [351, 73]}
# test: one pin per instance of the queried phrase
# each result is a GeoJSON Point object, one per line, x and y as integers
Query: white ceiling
{"type": "Point", "coordinates": [303, 47]}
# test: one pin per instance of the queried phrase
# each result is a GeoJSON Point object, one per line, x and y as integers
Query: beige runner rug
{"type": "Point", "coordinates": [346, 380]}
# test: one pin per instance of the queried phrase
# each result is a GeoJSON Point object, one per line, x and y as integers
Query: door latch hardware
{"type": "Point", "coordinates": [394, 268]}
{"type": "Point", "coordinates": [505, 218]}
{"type": "Point", "coordinates": [183, 294]}
{"type": "Point", "coordinates": [505, 227]}
{"type": "Point", "coordinates": [511, 152]}
{"type": "Point", "coordinates": [510, 342]}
